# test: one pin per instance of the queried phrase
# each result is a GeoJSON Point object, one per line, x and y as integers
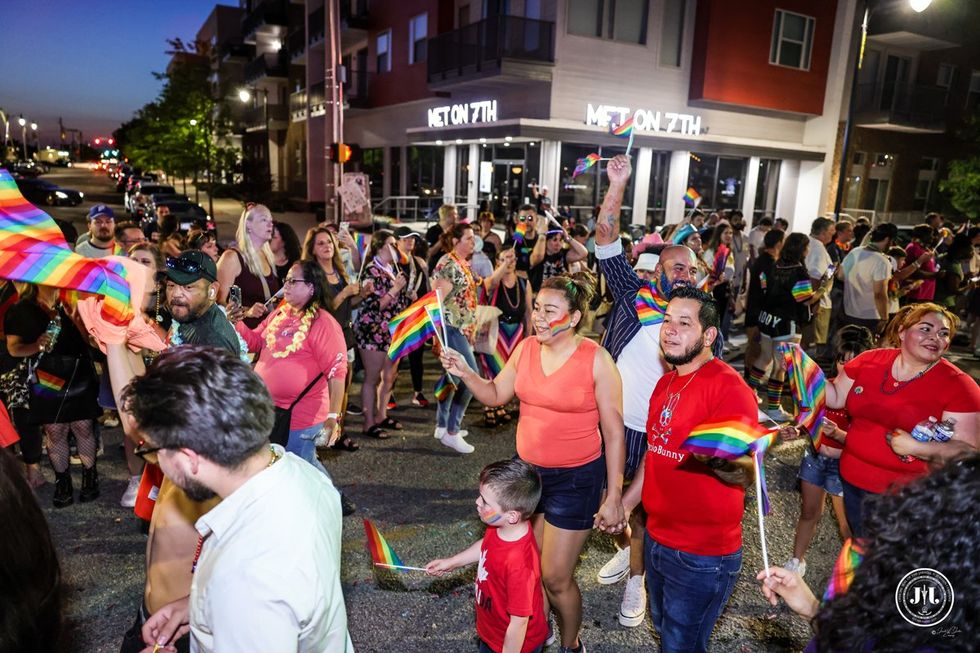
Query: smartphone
{"type": "Point", "coordinates": [830, 271]}
{"type": "Point", "coordinates": [235, 295]}
{"type": "Point", "coordinates": [345, 227]}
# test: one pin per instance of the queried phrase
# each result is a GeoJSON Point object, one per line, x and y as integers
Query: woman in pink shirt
{"type": "Point", "coordinates": [300, 347]}
{"type": "Point", "coordinates": [924, 238]}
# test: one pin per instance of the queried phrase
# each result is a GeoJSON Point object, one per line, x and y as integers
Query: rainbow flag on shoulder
{"type": "Point", "coordinates": [650, 304]}
{"type": "Point", "coordinates": [413, 326]}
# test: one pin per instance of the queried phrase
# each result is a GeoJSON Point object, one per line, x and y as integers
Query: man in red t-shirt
{"type": "Point", "coordinates": [509, 595]}
{"type": "Point", "coordinates": [693, 541]}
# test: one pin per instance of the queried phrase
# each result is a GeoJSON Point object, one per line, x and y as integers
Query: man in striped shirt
{"type": "Point", "coordinates": [635, 346]}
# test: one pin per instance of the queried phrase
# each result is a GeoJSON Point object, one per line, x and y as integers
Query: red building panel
{"type": "Point", "coordinates": [730, 63]}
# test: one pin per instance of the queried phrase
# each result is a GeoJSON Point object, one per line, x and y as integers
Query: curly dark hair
{"type": "Point", "coordinates": [932, 523]}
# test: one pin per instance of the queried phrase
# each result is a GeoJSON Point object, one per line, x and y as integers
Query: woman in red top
{"type": "Point", "coordinates": [568, 386]}
{"type": "Point", "coordinates": [887, 392]}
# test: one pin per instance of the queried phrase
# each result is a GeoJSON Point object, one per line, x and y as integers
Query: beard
{"type": "Point", "coordinates": [667, 286]}
{"type": "Point", "coordinates": [184, 313]}
{"type": "Point", "coordinates": [195, 491]}
{"type": "Point", "coordinates": [689, 355]}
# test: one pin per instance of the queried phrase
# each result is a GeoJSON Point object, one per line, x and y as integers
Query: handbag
{"type": "Point", "coordinates": [487, 326]}
{"type": "Point", "coordinates": [55, 380]}
{"type": "Point", "coordinates": [280, 427]}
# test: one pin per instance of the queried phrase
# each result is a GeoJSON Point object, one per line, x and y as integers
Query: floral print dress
{"type": "Point", "coordinates": [371, 325]}
{"type": "Point", "coordinates": [460, 305]}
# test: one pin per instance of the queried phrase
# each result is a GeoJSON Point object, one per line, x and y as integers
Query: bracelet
{"type": "Point", "coordinates": [333, 415]}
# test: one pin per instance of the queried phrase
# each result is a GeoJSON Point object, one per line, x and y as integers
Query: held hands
{"type": "Point", "coordinates": [453, 362]}
{"type": "Point", "coordinates": [791, 588]}
{"type": "Point", "coordinates": [619, 169]}
{"type": "Point", "coordinates": [611, 517]}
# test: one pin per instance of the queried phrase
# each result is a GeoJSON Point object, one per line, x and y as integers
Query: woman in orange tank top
{"type": "Point", "coordinates": [568, 387]}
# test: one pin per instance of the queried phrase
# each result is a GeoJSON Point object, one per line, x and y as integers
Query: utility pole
{"type": "Point", "coordinates": [334, 120]}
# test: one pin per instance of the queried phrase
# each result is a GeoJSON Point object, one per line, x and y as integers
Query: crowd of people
{"type": "Point", "coordinates": [607, 352]}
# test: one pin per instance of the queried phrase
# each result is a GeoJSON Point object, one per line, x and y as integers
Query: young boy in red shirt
{"type": "Point", "coordinates": [509, 597]}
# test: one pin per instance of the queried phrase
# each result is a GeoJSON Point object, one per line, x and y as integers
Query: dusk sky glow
{"type": "Point", "coordinates": [88, 61]}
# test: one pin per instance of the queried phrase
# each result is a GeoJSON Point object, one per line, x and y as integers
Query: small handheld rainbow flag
{"type": "Point", "coordinates": [729, 439]}
{"type": "Point", "coordinates": [413, 326]}
{"type": "Point", "coordinates": [361, 241]}
{"type": "Point", "coordinates": [802, 290]}
{"type": "Point", "coordinates": [33, 249]}
{"type": "Point", "coordinates": [721, 260]}
{"type": "Point", "coordinates": [651, 305]}
{"type": "Point", "coordinates": [48, 385]}
{"type": "Point", "coordinates": [382, 555]}
{"type": "Point", "coordinates": [692, 198]}
{"type": "Point", "coordinates": [851, 555]}
{"type": "Point", "coordinates": [585, 163]}
{"type": "Point", "coordinates": [809, 387]}
{"type": "Point", "coordinates": [624, 130]}
{"type": "Point", "coordinates": [444, 388]}
{"type": "Point", "coordinates": [520, 231]}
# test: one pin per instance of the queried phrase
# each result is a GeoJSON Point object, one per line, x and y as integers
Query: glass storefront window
{"type": "Point", "coordinates": [657, 195]}
{"type": "Point", "coordinates": [718, 179]}
{"type": "Point", "coordinates": [584, 192]}
{"type": "Point", "coordinates": [372, 164]}
{"type": "Point", "coordinates": [765, 190]}
{"type": "Point", "coordinates": [425, 171]}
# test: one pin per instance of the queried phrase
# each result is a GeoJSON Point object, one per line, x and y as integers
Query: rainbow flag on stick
{"type": "Point", "coordinates": [651, 305]}
{"type": "Point", "coordinates": [33, 249]}
{"type": "Point", "coordinates": [585, 163]}
{"type": "Point", "coordinates": [444, 388]}
{"type": "Point", "coordinates": [729, 439]}
{"type": "Point", "coordinates": [624, 130]}
{"type": "Point", "coordinates": [851, 555]}
{"type": "Point", "coordinates": [382, 555]}
{"type": "Point", "coordinates": [361, 241]}
{"type": "Point", "coordinates": [413, 326]}
{"type": "Point", "coordinates": [520, 231]}
{"type": "Point", "coordinates": [809, 387]}
{"type": "Point", "coordinates": [692, 198]}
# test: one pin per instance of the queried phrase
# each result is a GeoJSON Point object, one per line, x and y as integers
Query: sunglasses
{"type": "Point", "coordinates": [525, 218]}
{"type": "Point", "coordinates": [188, 266]}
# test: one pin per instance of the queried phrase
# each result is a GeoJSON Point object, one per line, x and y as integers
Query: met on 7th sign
{"type": "Point", "coordinates": [463, 114]}
{"type": "Point", "coordinates": [602, 115]}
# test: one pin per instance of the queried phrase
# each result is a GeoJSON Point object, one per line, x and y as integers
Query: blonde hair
{"type": "Point", "coordinates": [909, 316]}
{"type": "Point", "coordinates": [253, 257]}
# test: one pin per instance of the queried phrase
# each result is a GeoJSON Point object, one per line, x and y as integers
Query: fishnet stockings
{"type": "Point", "coordinates": [58, 451]}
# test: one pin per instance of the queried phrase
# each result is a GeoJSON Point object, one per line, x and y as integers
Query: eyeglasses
{"type": "Point", "coordinates": [149, 454]}
{"type": "Point", "coordinates": [293, 282]}
{"type": "Point", "coordinates": [525, 218]}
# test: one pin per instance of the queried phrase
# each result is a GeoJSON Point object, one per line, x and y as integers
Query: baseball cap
{"type": "Point", "coordinates": [100, 209]}
{"type": "Point", "coordinates": [405, 232]}
{"type": "Point", "coordinates": [191, 266]}
{"type": "Point", "coordinates": [647, 262]}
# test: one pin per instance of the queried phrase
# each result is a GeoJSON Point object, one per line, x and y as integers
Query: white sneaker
{"type": "Point", "coordinates": [796, 565]}
{"type": "Point", "coordinates": [457, 442]}
{"type": "Point", "coordinates": [128, 499]}
{"type": "Point", "coordinates": [634, 606]}
{"type": "Point", "coordinates": [779, 415]}
{"type": "Point", "coordinates": [441, 431]}
{"type": "Point", "coordinates": [616, 569]}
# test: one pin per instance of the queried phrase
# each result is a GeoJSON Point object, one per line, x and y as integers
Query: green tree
{"type": "Point", "coordinates": [962, 183]}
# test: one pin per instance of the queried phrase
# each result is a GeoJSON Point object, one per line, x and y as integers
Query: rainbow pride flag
{"type": "Point", "coordinates": [362, 241]}
{"type": "Point", "coordinates": [585, 163]}
{"type": "Point", "coordinates": [444, 388]}
{"type": "Point", "coordinates": [33, 249]}
{"type": "Point", "coordinates": [758, 449]}
{"type": "Point", "coordinates": [721, 260]}
{"type": "Point", "coordinates": [48, 385]}
{"type": "Point", "coordinates": [624, 130]}
{"type": "Point", "coordinates": [692, 198]}
{"type": "Point", "coordinates": [381, 552]}
{"type": "Point", "coordinates": [651, 305]}
{"type": "Point", "coordinates": [802, 290]}
{"type": "Point", "coordinates": [413, 326]}
{"type": "Point", "coordinates": [851, 555]}
{"type": "Point", "coordinates": [729, 439]}
{"type": "Point", "coordinates": [520, 232]}
{"type": "Point", "coordinates": [808, 384]}
{"type": "Point", "coordinates": [508, 337]}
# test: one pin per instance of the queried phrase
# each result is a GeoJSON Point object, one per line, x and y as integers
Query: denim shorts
{"type": "Point", "coordinates": [822, 471]}
{"type": "Point", "coordinates": [570, 495]}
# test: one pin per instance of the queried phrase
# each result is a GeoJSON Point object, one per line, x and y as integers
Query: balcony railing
{"type": "Point", "coordinates": [235, 50]}
{"type": "Point", "coordinates": [266, 12]}
{"type": "Point", "coordinates": [297, 106]}
{"type": "Point", "coordinates": [273, 64]}
{"type": "Point", "coordinates": [902, 104]}
{"type": "Point", "coordinates": [316, 25]}
{"type": "Point", "coordinates": [256, 118]}
{"type": "Point", "coordinates": [317, 100]}
{"type": "Point", "coordinates": [485, 44]}
{"type": "Point", "coordinates": [297, 43]}
{"type": "Point", "coordinates": [356, 89]}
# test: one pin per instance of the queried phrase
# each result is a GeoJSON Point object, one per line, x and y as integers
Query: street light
{"type": "Point", "coordinates": [918, 6]}
{"type": "Point", "coordinates": [37, 149]}
{"type": "Point", "coordinates": [23, 134]}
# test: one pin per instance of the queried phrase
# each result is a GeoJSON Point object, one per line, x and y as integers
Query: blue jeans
{"type": "Point", "coordinates": [483, 648]}
{"type": "Point", "coordinates": [450, 411]}
{"type": "Point", "coordinates": [302, 442]}
{"type": "Point", "coordinates": [854, 498]}
{"type": "Point", "coordinates": [687, 593]}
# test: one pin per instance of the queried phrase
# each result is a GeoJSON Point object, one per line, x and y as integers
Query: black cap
{"type": "Point", "coordinates": [404, 232]}
{"type": "Point", "coordinates": [191, 266]}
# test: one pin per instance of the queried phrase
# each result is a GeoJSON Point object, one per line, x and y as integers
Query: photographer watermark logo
{"type": "Point", "coordinates": [924, 597]}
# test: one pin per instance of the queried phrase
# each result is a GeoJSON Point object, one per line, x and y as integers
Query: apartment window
{"type": "Point", "coordinates": [384, 52]}
{"type": "Point", "coordinates": [944, 77]}
{"type": "Point", "coordinates": [928, 163]}
{"type": "Point", "coordinates": [672, 33]}
{"type": "Point", "coordinates": [418, 31]}
{"type": "Point", "coordinates": [973, 95]}
{"type": "Point", "coordinates": [883, 160]}
{"type": "Point", "coordinates": [792, 38]}
{"type": "Point", "coordinates": [618, 20]}
{"type": "Point", "coordinates": [859, 158]}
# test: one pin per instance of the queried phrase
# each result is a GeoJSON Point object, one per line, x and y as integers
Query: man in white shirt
{"type": "Point", "coordinates": [867, 271]}
{"type": "Point", "coordinates": [267, 573]}
{"type": "Point", "coordinates": [818, 263]}
{"type": "Point", "coordinates": [756, 237]}
{"type": "Point", "coordinates": [101, 233]}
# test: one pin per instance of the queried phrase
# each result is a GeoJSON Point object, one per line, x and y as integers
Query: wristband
{"type": "Point", "coordinates": [333, 415]}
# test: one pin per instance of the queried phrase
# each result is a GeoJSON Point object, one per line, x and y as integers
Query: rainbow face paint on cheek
{"type": "Point", "coordinates": [561, 324]}
{"type": "Point", "coordinates": [492, 517]}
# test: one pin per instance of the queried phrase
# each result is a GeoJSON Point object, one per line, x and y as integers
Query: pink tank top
{"type": "Point", "coordinates": [559, 424]}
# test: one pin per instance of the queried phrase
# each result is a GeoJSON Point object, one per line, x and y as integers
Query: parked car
{"type": "Point", "coordinates": [141, 190]}
{"type": "Point", "coordinates": [189, 215]}
{"type": "Point", "coordinates": [40, 191]}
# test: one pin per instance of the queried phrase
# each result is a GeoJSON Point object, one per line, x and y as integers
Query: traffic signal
{"type": "Point", "coordinates": [344, 153]}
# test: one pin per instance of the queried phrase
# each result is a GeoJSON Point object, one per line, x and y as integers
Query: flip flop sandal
{"type": "Point", "coordinates": [377, 431]}
{"type": "Point", "coordinates": [389, 423]}
{"type": "Point", "coordinates": [346, 443]}
{"type": "Point", "coordinates": [489, 419]}
{"type": "Point", "coordinates": [503, 416]}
